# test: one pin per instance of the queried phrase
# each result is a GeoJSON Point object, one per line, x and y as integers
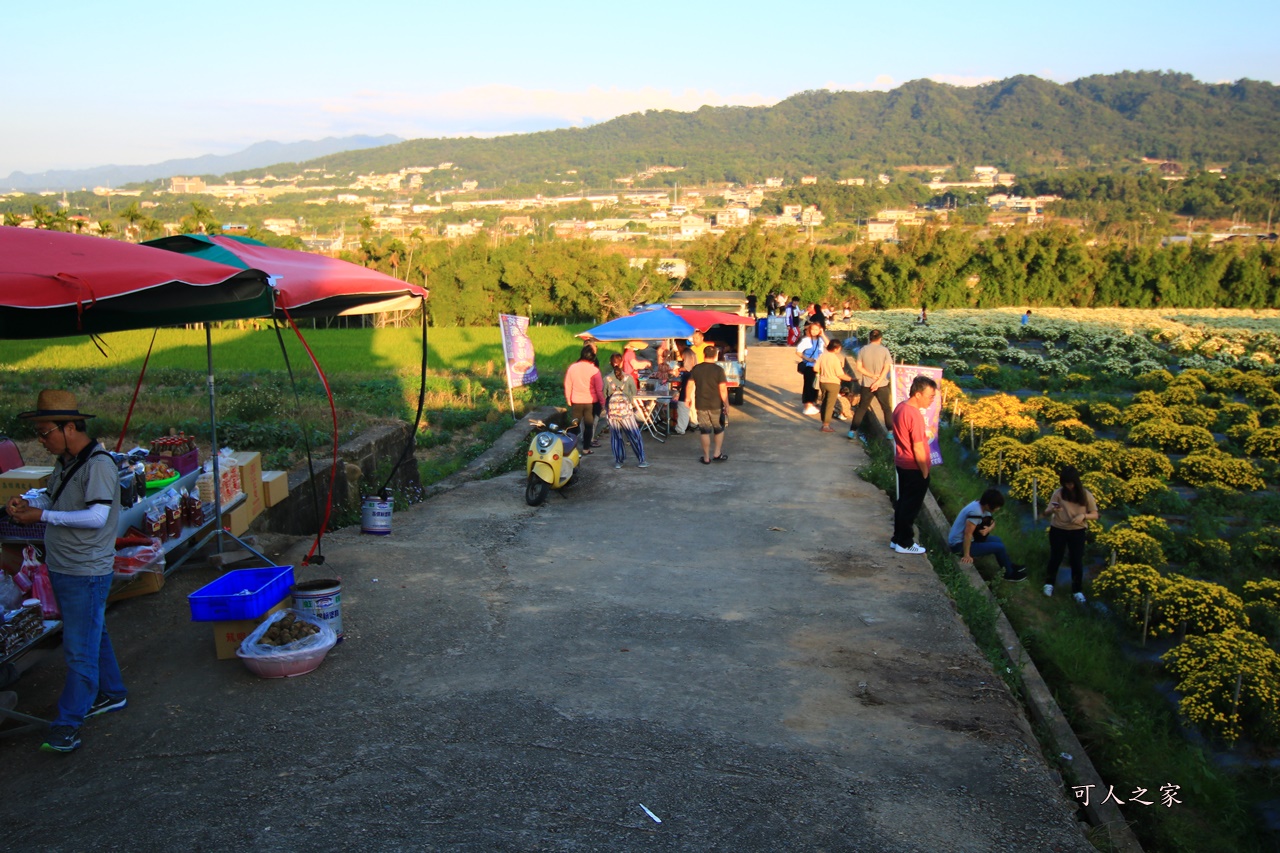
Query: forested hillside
{"type": "Point", "coordinates": [1019, 123]}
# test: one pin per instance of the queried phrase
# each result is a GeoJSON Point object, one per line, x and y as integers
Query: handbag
{"type": "Point", "coordinates": [800, 366]}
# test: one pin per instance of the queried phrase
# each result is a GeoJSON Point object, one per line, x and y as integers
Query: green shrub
{"type": "Point", "coordinates": [1181, 395]}
{"type": "Point", "coordinates": [1000, 456]}
{"type": "Point", "coordinates": [1135, 462]}
{"type": "Point", "coordinates": [1133, 546]}
{"type": "Point", "coordinates": [1107, 489]}
{"type": "Point", "coordinates": [1269, 416]}
{"type": "Point", "coordinates": [1140, 412]}
{"type": "Point", "coordinates": [1048, 409]}
{"type": "Point", "coordinates": [1142, 491]}
{"type": "Point", "coordinates": [1264, 443]}
{"type": "Point", "coordinates": [1104, 414]}
{"type": "Point", "coordinates": [1257, 549]}
{"type": "Point", "coordinates": [1171, 437]}
{"type": "Point", "coordinates": [1206, 467]}
{"type": "Point", "coordinates": [1154, 379]}
{"type": "Point", "coordinates": [1101, 455]}
{"type": "Point", "coordinates": [1073, 429]}
{"type": "Point", "coordinates": [1194, 415]}
{"type": "Point", "coordinates": [1046, 481]}
{"type": "Point", "coordinates": [1237, 414]}
{"type": "Point", "coordinates": [1054, 452]}
{"type": "Point", "coordinates": [1150, 398]}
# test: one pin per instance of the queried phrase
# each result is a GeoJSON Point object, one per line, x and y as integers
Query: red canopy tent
{"type": "Point", "coordinates": [307, 285]}
{"type": "Point", "coordinates": [310, 285]}
{"type": "Point", "coordinates": [55, 284]}
{"type": "Point", "coordinates": [703, 320]}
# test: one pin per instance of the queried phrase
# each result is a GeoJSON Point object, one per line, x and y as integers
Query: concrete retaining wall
{"type": "Point", "coordinates": [357, 474]}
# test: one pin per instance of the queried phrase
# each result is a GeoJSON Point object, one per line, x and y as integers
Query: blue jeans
{"type": "Point", "coordinates": [990, 546]}
{"type": "Point", "coordinates": [91, 662]}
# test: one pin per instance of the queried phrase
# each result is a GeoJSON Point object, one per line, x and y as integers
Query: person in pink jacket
{"type": "Point", "coordinates": [583, 389]}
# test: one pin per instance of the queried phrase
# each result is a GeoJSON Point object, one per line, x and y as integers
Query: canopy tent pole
{"type": "Point", "coordinates": [217, 532]}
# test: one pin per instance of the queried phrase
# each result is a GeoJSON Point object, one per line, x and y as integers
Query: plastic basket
{"type": "Point", "coordinates": [241, 594]}
{"type": "Point", "coordinates": [183, 463]}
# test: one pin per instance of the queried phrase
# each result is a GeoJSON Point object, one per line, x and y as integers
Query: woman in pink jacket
{"type": "Point", "coordinates": [583, 389]}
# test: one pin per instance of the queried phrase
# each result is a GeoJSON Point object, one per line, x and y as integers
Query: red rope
{"type": "Point", "coordinates": [333, 469]}
{"type": "Point", "coordinates": [124, 429]}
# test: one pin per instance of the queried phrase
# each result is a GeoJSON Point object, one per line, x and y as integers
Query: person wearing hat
{"type": "Point", "coordinates": [81, 508]}
{"type": "Point", "coordinates": [632, 363]}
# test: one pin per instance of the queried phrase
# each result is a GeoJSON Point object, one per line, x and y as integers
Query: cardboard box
{"type": "Point", "coordinates": [227, 636]}
{"type": "Point", "coordinates": [143, 583]}
{"type": "Point", "coordinates": [275, 486]}
{"type": "Point", "coordinates": [237, 519]}
{"type": "Point", "coordinates": [251, 482]}
{"type": "Point", "coordinates": [17, 481]}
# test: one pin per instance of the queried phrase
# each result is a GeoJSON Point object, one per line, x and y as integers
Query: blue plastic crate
{"type": "Point", "coordinates": [241, 594]}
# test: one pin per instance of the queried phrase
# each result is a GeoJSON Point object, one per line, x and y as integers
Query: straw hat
{"type": "Point", "coordinates": [638, 344]}
{"type": "Point", "coordinates": [56, 407]}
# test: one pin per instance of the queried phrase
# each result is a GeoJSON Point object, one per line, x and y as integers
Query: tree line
{"type": "Point", "coordinates": [474, 280]}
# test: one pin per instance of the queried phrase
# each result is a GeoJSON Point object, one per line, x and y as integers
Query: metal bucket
{"type": "Point", "coordinates": [375, 516]}
{"type": "Point", "coordinates": [321, 599]}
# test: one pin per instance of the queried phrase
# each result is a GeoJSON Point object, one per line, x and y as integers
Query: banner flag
{"type": "Point", "coordinates": [517, 349]}
{"type": "Point", "coordinates": [903, 376]}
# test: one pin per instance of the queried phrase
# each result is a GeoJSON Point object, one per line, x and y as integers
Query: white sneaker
{"type": "Point", "coordinates": [617, 465]}
{"type": "Point", "coordinates": [1048, 590]}
{"type": "Point", "coordinates": [811, 410]}
{"type": "Point", "coordinates": [914, 549]}
{"type": "Point", "coordinates": [643, 465]}
{"type": "Point", "coordinates": [1079, 597]}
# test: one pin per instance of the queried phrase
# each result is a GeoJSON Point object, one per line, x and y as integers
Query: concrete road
{"type": "Point", "coordinates": [689, 657]}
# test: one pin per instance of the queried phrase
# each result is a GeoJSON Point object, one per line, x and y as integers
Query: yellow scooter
{"type": "Point", "coordinates": [552, 461]}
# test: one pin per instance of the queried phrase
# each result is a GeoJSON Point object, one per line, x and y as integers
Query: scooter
{"type": "Point", "coordinates": [552, 462]}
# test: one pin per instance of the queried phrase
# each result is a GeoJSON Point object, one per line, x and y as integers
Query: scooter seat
{"type": "Point", "coordinates": [570, 441]}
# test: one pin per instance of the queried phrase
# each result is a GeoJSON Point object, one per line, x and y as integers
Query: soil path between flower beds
{"type": "Point", "coordinates": [730, 647]}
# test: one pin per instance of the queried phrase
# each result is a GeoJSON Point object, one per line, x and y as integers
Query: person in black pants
{"type": "Point", "coordinates": [912, 458]}
{"type": "Point", "coordinates": [1070, 510]}
{"type": "Point", "coordinates": [811, 346]}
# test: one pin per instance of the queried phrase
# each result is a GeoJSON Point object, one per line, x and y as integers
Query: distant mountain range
{"type": "Point", "coordinates": [255, 156]}
{"type": "Point", "coordinates": [1019, 123]}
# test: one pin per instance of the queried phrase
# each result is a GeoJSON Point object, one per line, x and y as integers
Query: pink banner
{"type": "Point", "coordinates": [903, 376]}
{"type": "Point", "coordinates": [517, 348]}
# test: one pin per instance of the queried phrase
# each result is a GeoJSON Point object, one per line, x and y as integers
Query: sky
{"type": "Point", "coordinates": [138, 82]}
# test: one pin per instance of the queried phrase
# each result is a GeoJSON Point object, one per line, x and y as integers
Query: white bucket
{"type": "Point", "coordinates": [321, 599]}
{"type": "Point", "coordinates": [375, 516]}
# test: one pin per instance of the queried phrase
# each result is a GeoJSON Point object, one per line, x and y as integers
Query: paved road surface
{"type": "Point", "coordinates": [733, 646]}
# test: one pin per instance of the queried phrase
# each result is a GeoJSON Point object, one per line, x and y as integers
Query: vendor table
{"type": "Point", "coordinates": [52, 628]}
{"type": "Point", "coordinates": [654, 412]}
{"type": "Point", "coordinates": [182, 546]}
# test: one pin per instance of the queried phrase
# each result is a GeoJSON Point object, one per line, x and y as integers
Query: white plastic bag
{"type": "Point", "coordinates": [322, 641]}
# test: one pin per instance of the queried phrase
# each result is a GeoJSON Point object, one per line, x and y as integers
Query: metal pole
{"type": "Point", "coordinates": [1035, 505]}
{"type": "Point", "coordinates": [213, 437]}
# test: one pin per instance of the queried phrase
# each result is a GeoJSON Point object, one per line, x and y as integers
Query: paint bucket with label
{"type": "Point", "coordinates": [375, 516]}
{"type": "Point", "coordinates": [321, 599]}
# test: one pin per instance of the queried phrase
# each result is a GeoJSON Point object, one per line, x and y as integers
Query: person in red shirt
{"type": "Point", "coordinates": [911, 458]}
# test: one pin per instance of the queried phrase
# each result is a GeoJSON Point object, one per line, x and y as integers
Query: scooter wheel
{"type": "Point", "coordinates": [536, 491]}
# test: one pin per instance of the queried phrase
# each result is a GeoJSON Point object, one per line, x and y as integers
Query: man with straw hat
{"type": "Point", "coordinates": [81, 508]}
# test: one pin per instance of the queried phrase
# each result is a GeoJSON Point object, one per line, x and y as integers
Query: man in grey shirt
{"type": "Point", "coordinates": [873, 367]}
{"type": "Point", "coordinates": [81, 511]}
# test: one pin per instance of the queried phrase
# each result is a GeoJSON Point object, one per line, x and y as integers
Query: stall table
{"type": "Point", "coordinates": [654, 412]}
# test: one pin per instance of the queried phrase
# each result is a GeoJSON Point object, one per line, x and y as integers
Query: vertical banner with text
{"type": "Point", "coordinates": [903, 376]}
{"type": "Point", "coordinates": [517, 353]}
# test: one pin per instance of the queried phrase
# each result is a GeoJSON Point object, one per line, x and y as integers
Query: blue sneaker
{"type": "Point", "coordinates": [61, 739]}
{"type": "Point", "coordinates": [851, 435]}
{"type": "Point", "coordinates": [105, 704]}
